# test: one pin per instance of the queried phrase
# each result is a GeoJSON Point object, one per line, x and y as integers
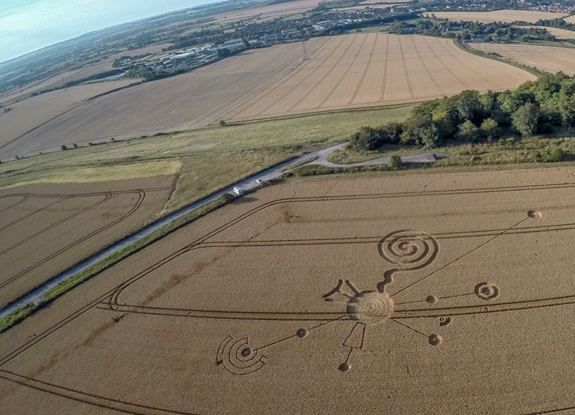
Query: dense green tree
{"type": "Point", "coordinates": [489, 128]}
{"type": "Point", "coordinates": [419, 121]}
{"type": "Point", "coordinates": [469, 107]}
{"type": "Point", "coordinates": [535, 107]}
{"type": "Point", "coordinates": [366, 139]}
{"type": "Point", "coordinates": [468, 131]}
{"type": "Point", "coordinates": [390, 133]}
{"type": "Point", "coordinates": [510, 101]}
{"type": "Point", "coordinates": [525, 119]}
{"type": "Point", "coordinates": [445, 117]}
{"type": "Point", "coordinates": [429, 135]}
{"type": "Point", "coordinates": [566, 102]}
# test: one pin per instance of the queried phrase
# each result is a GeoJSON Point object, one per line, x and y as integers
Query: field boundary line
{"type": "Point", "coordinates": [362, 107]}
{"type": "Point", "coordinates": [466, 48]}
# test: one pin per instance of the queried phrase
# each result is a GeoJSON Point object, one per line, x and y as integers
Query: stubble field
{"type": "Point", "coordinates": [545, 58]}
{"type": "Point", "coordinates": [506, 16]}
{"type": "Point", "coordinates": [419, 294]}
{"type": "Point", "coordinates": [45, 229]}
{"type": "Point", "coordinates": [378, 69]}
{"type": "Point", "coordinates": [173, 104]}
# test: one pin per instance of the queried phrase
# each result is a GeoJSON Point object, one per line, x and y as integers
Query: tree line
{"type": "Point", "coordinates": [536, 107]}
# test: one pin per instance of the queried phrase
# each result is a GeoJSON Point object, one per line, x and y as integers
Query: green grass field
{"type": "Point", "coordinates": [205, 159]}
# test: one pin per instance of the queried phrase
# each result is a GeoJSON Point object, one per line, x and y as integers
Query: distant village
{"type": "Point", "coordinates": [193, 57]}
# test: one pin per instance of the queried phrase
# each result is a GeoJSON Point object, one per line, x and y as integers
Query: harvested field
{"type": "Point", "coordinates": [545, 58]}
{"type": "Point", "coordinates": [505, 16]}
{"type": "Point", "coordinates": [570, 19]}
{"type": "Point", "coordinates": [177, 103]}
{"type": "Point", "coordinates": [466, 312]}
{"type": "Point", "coordinates": [377, 69]}
{"type": "Point", "coordinates": [45, 229]}
{"type": "Point", "coordinates": [33, 112]}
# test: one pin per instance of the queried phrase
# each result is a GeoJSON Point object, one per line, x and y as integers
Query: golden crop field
{"type": "Point", "coordinates": [45, 229]}
{"type": "Point", "coordinates": [173, 104]}
{"type": "Point", "coordinates": [418, 294]}
{"type": "Point", "coordinates": [545, 58]}
{"type": "Point", "coordinates": [378, 69]}
{"type": "Point", "coordinates": [570, 19]}
{"type": "Point", "coordinates": [33, 112]}
{"type": "Point", "coordinates": [506, 16]}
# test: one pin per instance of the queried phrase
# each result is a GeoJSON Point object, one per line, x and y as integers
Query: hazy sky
{"type": "Point", "coordinates": [27, 25]}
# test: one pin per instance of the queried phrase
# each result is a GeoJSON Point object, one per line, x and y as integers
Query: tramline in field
{"type": "Point", "coordinates": [378, 69]}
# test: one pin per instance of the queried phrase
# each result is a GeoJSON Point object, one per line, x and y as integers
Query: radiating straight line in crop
{"type": "Point", "coordinates": [277, 104]}
{"type": "Point", "coordinates": [445, 67]}
{"type": "Point", "coordinates": [331, 69]}
{"type": "Point", "coordinates": [464, 64]}
{"type": "Point", "coordinates": [284, 81]}
{"type": "Point", "coordinates": [342, 77]}
{"type": "Point", "coordinates": [364, 71]}
{"type": "Point", "coordinates": [405, 69]}
{"type": "Point", "coordinates": [344, 80]}
{"type": "Point", "coordinates": [384, 78]}
{"type": "Point", "coordinates": [425, 66]}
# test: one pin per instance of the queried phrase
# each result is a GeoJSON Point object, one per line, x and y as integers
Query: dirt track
{"type": "Point", "coordinates": [469, 311]}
